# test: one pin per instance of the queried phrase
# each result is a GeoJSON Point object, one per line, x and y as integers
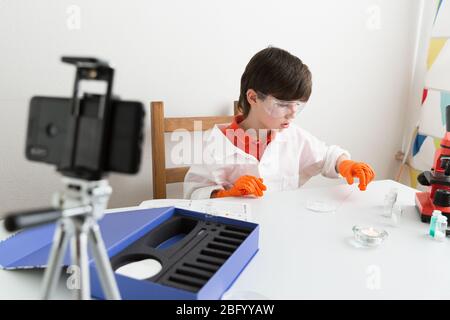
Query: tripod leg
{"type": "Point", "coordinates": [79, 252]}
{"type": "Point", "coordinates": [104, 269]}
{"type": "Point", "coordinates": [53, 270]}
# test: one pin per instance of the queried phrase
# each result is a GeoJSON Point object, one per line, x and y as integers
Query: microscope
{"type": "Point", "coordinates": [437, 197]}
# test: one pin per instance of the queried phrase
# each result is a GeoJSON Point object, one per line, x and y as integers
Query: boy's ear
{"type": "Point", "coordinates": [251, 96]}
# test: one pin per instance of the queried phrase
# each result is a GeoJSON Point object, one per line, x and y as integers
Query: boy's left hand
{"type": "Point", "coordinates": [350, 169]}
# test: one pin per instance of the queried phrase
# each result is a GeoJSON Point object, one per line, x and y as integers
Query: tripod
{"type": "Point", "coordinates": [83, 203]}
{"type": "Point", "coordinates": [85, 140]}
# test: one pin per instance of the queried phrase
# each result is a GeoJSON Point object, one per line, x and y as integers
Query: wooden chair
{"type": "Point", "coordinates": [161, 125]}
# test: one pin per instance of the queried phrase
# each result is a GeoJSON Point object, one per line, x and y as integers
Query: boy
{"type": "Point", "coordinates": [261, 149]}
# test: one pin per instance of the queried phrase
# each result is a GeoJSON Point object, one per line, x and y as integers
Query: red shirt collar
{"type": "Point", "coordinates": [241, 139]}
{"type": "Point", "coordinates": [236, 120]}
{"type": "Point", "coordinates": [235, 126]}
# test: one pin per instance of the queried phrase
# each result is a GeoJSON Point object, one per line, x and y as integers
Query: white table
{"type": "Point", "coordinates": [310, 255]}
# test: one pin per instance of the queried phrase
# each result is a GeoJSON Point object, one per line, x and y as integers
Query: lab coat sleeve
{"type": "Point", "coordinates": [318, 157]}
{"type": "Point", "coordinates": [199, 182]}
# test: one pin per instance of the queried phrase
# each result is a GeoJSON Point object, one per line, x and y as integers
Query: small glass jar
{"type": "Point", "coordinates": [368, 236]}
{"type": "Point", "coordinates": [389, 201]}
{"type": "Point", "coordinates": [396, 214]}
{"type": "Point", "coordinates": [441, 228]}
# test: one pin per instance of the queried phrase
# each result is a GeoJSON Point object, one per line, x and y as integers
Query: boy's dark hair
{"type": "Point", "coordinates": [276, 72]}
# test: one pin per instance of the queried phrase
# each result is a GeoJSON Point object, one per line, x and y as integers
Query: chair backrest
{"type": "Point", "coordinates": [160, 125]}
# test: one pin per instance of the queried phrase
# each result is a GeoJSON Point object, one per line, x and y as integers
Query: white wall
{"type": "Point", "coordinates": [427, 13]}
{"type": "Point", "coordinates": [191, 54]}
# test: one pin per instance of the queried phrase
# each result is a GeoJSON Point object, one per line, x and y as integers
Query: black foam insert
{"type": "Point", "coordinates": [191, 261]}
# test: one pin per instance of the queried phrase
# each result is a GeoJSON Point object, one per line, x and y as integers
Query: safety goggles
{"type": "Point", "coordinates": [280, 108]}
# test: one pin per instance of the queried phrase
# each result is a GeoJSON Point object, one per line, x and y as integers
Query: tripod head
{"type": "Point", "coordinates": [79, 198]}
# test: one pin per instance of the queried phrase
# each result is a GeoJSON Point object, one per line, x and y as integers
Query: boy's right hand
{"type": "Point", "coordinates": [243, 186]}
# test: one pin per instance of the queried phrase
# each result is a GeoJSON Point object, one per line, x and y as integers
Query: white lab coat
{"type": "Point", "coordinates": [289, 160]}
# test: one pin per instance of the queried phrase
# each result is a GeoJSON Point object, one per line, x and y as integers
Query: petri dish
{"type": "Point", "coordinates": [140, 270]}
{"type": "Point", "coordinates": [321, 206]}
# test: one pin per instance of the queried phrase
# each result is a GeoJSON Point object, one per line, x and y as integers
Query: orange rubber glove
{"type": "Point", "coordinates": [244, 186]}
{"type": "Point", "coordinates": [350, 169]}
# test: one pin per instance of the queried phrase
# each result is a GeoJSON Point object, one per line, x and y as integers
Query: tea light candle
{"type": "Point", "coordinates": [371, 232]}
{"type": "Point", "coordinates": [368, 236]}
